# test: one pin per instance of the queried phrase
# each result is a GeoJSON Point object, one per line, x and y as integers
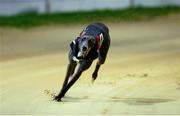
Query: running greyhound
{"type": "Point", "coordinates": [92, 43]}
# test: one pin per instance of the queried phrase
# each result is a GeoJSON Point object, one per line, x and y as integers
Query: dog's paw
{"type": "Point", "coordinates": [57, 98]}
{"type": "Point", "coordinates": [94, 76]}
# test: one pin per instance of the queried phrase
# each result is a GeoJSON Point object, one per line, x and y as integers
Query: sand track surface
{"type": "Point", "coordinates": [141, 74]}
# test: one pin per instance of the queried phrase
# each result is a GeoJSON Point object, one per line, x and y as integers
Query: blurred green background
{"type": "Point", "coordinates": [29, 13]}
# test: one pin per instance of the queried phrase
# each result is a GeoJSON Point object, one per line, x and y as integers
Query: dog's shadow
{"type": "Point", "coordinates": [129, 101]}
{"type": "Point", "coordinates": [140, 101]}
{"type": "Point", "coordinates": [74, 99]}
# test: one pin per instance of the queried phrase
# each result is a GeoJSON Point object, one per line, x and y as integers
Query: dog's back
{"type": "Point", "coordinates": [94, 29]}
{"type": "Point", "coordinates": [102, 26]}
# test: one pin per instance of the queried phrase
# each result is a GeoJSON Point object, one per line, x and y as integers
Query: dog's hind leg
{"type": "Point", "coordinates": [84, 65]}
{"type": "Point", "coordinates": [95, 73]}
{"type": "Point", "coordinates": [101, 58]}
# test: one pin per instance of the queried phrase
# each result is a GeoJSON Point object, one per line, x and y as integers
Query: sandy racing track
{"type": "Point", "coordinates": [141, 74]}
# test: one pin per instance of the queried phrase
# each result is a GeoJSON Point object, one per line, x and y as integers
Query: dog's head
{"type": "Point", "coordinates": [86, 43]}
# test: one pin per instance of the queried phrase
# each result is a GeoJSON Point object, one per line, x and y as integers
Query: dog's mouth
{"type": "Point", "coordinates": [82, 54]}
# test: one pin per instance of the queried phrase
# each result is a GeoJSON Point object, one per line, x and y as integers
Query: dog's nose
{"type": "Point", "coordinates": [84, 48]}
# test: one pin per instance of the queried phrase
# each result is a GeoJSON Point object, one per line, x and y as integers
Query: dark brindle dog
{"type": "Point", "coordinates": [93, 42]}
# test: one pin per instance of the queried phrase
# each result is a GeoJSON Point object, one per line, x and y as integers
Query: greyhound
{"type": "Point", "coordinates": [92, 43]}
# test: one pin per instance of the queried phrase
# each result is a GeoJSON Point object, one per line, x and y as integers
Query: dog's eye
{"type": "Point", "coordinates": [83, 38]}
{"type": "Point", "coordinates": [90, 42]}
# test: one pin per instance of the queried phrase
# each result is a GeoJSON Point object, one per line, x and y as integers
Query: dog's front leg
{"type": "Point", "coordinates": [70, 70]}
{"type": "Point", "coordinates": [82, 67]}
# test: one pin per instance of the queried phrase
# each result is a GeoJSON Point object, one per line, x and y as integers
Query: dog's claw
{"type": "Point", "coordinates": [57, 98]}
